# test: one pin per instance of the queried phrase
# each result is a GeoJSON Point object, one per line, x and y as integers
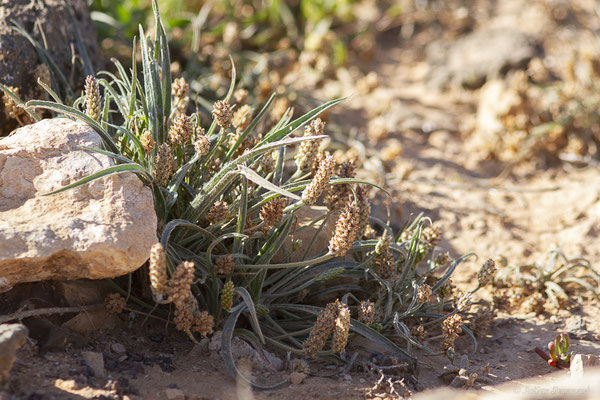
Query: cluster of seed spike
{"type": "Point", "coordinates": [181, 130]}
{"type": "Point", "coordinates": [224, 265]}
{"type": "Point", "coordinates": [217, 212]}
{"type": "Point", "coordinates": [424, 293]}
{"type": "Point", "coordinates": [345, 230]}
{"type": "Point", "coordinates": [367, 312]}
{"type": "Point", "coordinates": [341, 329]}
{"type": "Point", "coordinates": [451, 328]}
{"type": "Point", "coordinates": [487, 272]}
{"type": "Point", "coordinates": [272, 211]}
{"type": "Point", "coordinates": [223, 113]}
{"type": "Point", "coordinates": [148, 142]}
{"type": "Point", "coordinates": [307, 153]}
{"type": "Point", "coordinates": [334, 318]}
{"type": "Point", "coordinates": [164, 164]}
{"type": "Point", "coordinates": [384, 263]}
{"type": "Point", "coordinates": [338, 195]}
{"type": "Point", "coordinates": [187, 316]}
{"type": "Point", "coordinates": [115, 303]}
{"type": "Point", "coordinates": [320, 181]}
{"type": "Point", "coordinates": [242, 117]}
{"type": "Point", "coordinates": [362, 200]}
{"type": "Point", "coordinates": [158, 270]}
{"type": "Point", "coordinates": [201, 142]}
{"type": "Point", "coordinates": [180, 90]}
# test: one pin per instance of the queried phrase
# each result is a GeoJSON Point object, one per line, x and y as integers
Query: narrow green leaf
{"type": "Point", "coordinates": [135, 168]}
{"type": "Point", "coordinates": [253, 317]}
{"type": "Point", "coordinates": [70, 111]}
{"type": "Point", "coordinates": [259, 180]}
{"type": "Point", "coordinates": [291, 127]}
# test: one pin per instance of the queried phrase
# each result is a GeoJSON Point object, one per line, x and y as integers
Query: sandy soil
{"type": "Point", "coordinates": [518, 217]}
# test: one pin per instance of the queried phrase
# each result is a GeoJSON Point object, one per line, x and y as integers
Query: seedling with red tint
{"type": "Point", "coordinates": [560, 357]}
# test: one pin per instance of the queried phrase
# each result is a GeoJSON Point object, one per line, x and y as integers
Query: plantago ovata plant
{"type": "Point", "coordinates": [228, 258]}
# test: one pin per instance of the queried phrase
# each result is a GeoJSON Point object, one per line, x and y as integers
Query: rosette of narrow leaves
{"type": "Point", "coordinates": [276, 271]}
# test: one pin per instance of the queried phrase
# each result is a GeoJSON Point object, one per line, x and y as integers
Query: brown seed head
{"type": "Point", "coordinates": [385, 265]}
{"type": "Point", "coordinates": [462, 301]}
{"type": "Point", "coordinates": [451, 329]}
{"type": "Point", "coordinates": [338, 195]}
{"type": "Point", "coordinates": [224, 265]}
{"type": "Point", "coordinates": [180, 91]}
{"type": "Point", "coordinates": [267, 163]}
{"type": "Point", "coordinates": [432, 235]}
{"type": "Point", "coordinates": [163, 164]}
{"type": "Point", "coordinates": [345, 230]}
{"type": "Point", "coordinates": [366, 312]}
{"type": "Point", "coordinates": [181, 281]}
{"type": "Point", "coordinates": [443, 259]}
{"type": "Point", "coordinates": [158, 270]}
{"type": "Point", "coordinates": [181, 131]}
{"type": "Point", "coordinates": [418, 332]}
{"type": "Point", "coordinates": [217, 212]}
{"type": "Point", "coordinates": [319, 182]}
{"type": "Point", "coordinates": [272, 211]}
{"type": "Point", "coordinates": [321, 330]}
{"type": "Point", "coordinates": [242, 118]}
{"type": "Point", "coordinates": [227, 296]}
{"type": "Point", "coordinates": [93, 100]}
{"type": "Point", "coordinates": [148, 142]}
{"type": "Point", "coordinates": [11, 108]}
{"type": "Point", "coordinates": [223, 113]}
{"type": "Point", "coordinates": [423, 293]}
{"type": "Point", "coordinates": [342, 328]}
{"type": "Point", "coordinates": [362, 197]}
{"type": "Point", "coordinates": [202, 144]}
{"type": "Point", "coordinates": [115, 303]}
{"type": "Point", "coordinates": [535, 303]}
{"type": "Point", "coordinates": [307, 152]}
{"type": "Point", "coordinates": [203, 323]}
{"type": "Point", "coordinates": [318, 126]}
{"type": "Point", "coordinates": [184, 312]}
{"type": "Point", "coordinates": [487, 272]}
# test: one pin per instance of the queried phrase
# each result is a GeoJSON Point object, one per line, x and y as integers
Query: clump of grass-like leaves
{"type": "Point", "coordinates": [558, 278]}
{"type": "Point", "coordinates": [232, 201]}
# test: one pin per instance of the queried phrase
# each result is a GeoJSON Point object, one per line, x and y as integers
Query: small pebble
{"type": "Point", "coordinates": [95, 361]}
{"type": "Point", "coordinates": [174, 394]}
{"type": "Point", "coordinates": [117, 348]}
{"type": "Point", "coordinates": [296, 378]}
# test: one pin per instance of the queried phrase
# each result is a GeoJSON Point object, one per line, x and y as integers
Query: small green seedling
{"type": "Point", "coordinates": [560, 357]}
